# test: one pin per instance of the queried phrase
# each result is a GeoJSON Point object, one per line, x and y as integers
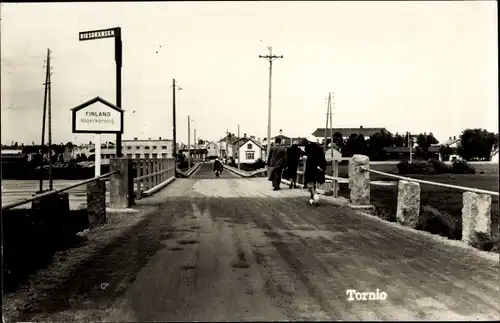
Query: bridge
{"type": "Point", "coordinates": [231, 248]}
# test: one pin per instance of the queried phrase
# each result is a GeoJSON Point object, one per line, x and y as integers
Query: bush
{"type": "Point", "coordinates": [439, 166]}
{"type": "Point", "coordinates": [32, 237]}
{"type": "Point", "coordinates": [484, 242]}
{"type": "Point", "coordinates": [417, 167]}
{"type": "Point", "coordinates": [439, 222]}
{"type": "Point", "coordinates": [259, 163]}
{"type": "Point", "coordinates": [462, 167]}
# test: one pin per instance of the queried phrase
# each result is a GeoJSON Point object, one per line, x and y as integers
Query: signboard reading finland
{"type": "Point", "coordinates": [97, 116]}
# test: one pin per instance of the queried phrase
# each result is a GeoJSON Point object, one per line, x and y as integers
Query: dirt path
{"type": "Point", "coordinates": [232, 249]}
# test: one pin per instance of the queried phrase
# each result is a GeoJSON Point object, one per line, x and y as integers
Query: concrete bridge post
{"type": "Point", "coordinates": [476, 217]}
{"type": "Point", "coordinates": [408, 208]}
{"type": "Point", "coordinates": [121, 184]}
{"type": "Point", "coordinates": [359, 180]}
{"type": "Point", "coordinates": [96, 203]}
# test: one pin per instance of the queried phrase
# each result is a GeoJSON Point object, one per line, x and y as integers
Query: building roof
{"type": "Point", "coordinates": [243, 141]}
{"type": "Point", "coordinates": [450, 142]}
{"type": "Point", "coordinates": [346, 132]}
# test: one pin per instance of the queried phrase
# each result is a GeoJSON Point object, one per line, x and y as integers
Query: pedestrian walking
{"type": "Point", "coordinates": [315, 169]}
{"type": "Point", "coordinates": [293, 154]}
{"type": "Point", "coordinates": [218, 167]}
{"type": "Point", "coordinates": [275, 163]}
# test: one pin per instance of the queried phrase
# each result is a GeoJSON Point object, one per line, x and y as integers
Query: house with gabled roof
{"type": "Point", "coordinates": [249, 149]}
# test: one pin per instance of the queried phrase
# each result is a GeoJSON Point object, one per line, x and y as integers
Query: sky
{"type": "Point", "coordinates": [421, 66]}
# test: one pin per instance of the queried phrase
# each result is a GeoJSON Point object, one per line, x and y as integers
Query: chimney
{"type": "Point", "coordinates": [450, 138]}
{"type": "Point", "coordinates": [360, 127]}
{"type": "Point", "coordinates": [159, 138]}
{"type": "Point", "coordinates": [244, 135]}
{"type": "Point", "coordinates": [281, 131]}
{"type": "Point", "coordinates": [135, 138]}
{"type": "Point", "coordinates": [454, 137]}
{"type": "Point", "coordinates": [252, 137]}
{"type": "Point", "coordinates": [149, 138]}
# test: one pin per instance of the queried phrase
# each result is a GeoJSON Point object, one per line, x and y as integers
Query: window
{"type": "Point", "coordinates": [163, 147]}
{"type": "Point", "coordinates": [129, 147]}
{"type": "Point", "coordinates": [146, 155]}
{"type": "Point", "coordinates": [137, 156]}
{"type": "Point", "coordinates": [164, 155]}
{"type": "Point", "coordinates": [129, 155]}
{"type": "Point", "coordinates": [249, 146]}
{"type": "Point", "coordinates": [137, 147]}
{"type": "Point", "coordinates": [154, 147]}
{"type": "Point", "coordinates": [146, 147]}
{"type": "Point", "coordinates": [250, 155]}
{"type": "Point", "coordinates": [155, 156]}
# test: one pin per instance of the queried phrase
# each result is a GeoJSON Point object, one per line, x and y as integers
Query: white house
{"type": "Point", "coordinates": [249, 150]}
{"type": "Point", "coordinates": [213, 149]}
{"type": "Point", "coordinates": [494, 155]}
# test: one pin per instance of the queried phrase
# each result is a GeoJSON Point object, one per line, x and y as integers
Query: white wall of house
{"type": "Point", "coordinates": [222, 147]}
{"type": "Point", "coordinates": [250, 152]}
{"type": "Point", "coordinates": [212, 149]}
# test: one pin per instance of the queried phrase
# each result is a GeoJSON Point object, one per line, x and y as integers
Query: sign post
{"type": "Point", "coordinates": [97, 116]}
{"type": "Point", "coordinates": [115, 33]}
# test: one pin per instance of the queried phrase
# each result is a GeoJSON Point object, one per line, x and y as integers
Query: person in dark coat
{"type": "Point", "coordinates": [218, 168]}
{"type": "Point", "coordinates": [293, 154]}
{"type": "Point", "coordinates": [276, 162]}
{"type": "Point", "coordinates": [315, 169]}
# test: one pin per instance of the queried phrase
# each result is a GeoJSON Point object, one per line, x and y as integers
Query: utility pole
{"type": "Point", "coordinates": [50, 124]}
{"type": "Point", "coordinates": [410, 145]}
{"type": "Point", "coordinates": [195, 145]}
{"type": "Point", "coordinates": [227, 138]}
{"type": "Point", "coordinates": [270, 58]}
{"type": "Point", "coordinates": [330, 103]}
{"type": "Point", "coordinates": [44, 117]}
{"type": "Point", "coordinates": [326, 126]}
{"type": "Point", "coordinates": [189, 142]}
{"type": "Point", "coordinates": [174, 86]}
{"type": "Point", "coordinates": [239, 157]}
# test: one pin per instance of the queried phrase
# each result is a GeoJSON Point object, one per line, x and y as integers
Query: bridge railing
{"type": "Point", "coordinates": [53, 192]}
{"type": "Point", "coordinates": [476, 210]}
{"type": "Point", "coordinates": [152, 175]}
{"type": "Point", "coordinates": [52, 204]}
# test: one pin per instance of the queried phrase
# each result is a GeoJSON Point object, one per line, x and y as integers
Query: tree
{"type": "Point", "coordinates": [445, 152]}
{"type": "Point", "coordinates": [338, 139]}
{"type": "Point", "coordinates": [423, 143]}
{"type": "Point", "coordinates": [476, 144]}
{"type": "Point", "coordinates": [398, 141]}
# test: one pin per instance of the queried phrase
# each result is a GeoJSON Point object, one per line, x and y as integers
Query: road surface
{"type": "Point", "coordinates": [233, 249]}
{"type": "Point", "coordinates": [206, 172]}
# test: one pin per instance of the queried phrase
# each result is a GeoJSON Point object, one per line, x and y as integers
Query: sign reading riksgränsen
{"type": "Point", "coordinates": [97, 34]}
{"type": "Point", "coordinates": [97, 116]}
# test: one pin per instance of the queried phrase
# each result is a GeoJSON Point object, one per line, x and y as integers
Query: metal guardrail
{"type": "Point", "coordinates": [409, 179]}
{"type": "Point", "coordinates": [52, 192]}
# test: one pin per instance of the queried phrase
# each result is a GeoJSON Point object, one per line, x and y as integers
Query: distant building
{"type": "Point", "coordinates": [213, 149]}
{"type": "Point", "coordinates": [140, 148]}
{"type": "Point", "coordinates": [347, 132]}
{"type": "Point", "coordinates": [249, 150]}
